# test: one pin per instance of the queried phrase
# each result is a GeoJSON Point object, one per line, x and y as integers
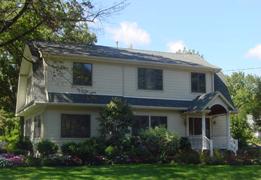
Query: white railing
{"type": "Point", "coordinates": [233, 145]}
{"type": "Point", "coordinates": [223, 142]}
{"type": "Point", "coordinates": [199, 142]}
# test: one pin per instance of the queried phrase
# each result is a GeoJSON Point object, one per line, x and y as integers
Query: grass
{"type": "Point", "coordinates": [141, 171]}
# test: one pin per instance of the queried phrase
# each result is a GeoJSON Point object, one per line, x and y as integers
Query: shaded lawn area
{"type": "Point", "coordinates": [139, 171]}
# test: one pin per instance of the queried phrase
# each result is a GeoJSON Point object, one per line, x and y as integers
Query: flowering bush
{"type": "Point", "coordinates": [11, 160]}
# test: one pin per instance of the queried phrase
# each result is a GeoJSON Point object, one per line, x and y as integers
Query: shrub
{"type": "Point", "coordinates": [22, 146]}
{"type": "Point", "coordinates": [111, 151]}
{"type": "Point", "coordinates": [115, 120]}
{"type": "Point", "coordinates": [187, 157]}
{"type": "Point", "coordinates": [87, 150]}
{"type": "Point", "coordinates": [72, 161]}
{"type": "Point", "coordinates": [53, 160]}
{"type": "Point", "coordinates": [218, 157]}
{"type": "Point", "coordinates": [70, 148]}
{"type": "Point", "coordinates": [4, 162]}
{"type": "Point", "coordinates": [184, 144]}
{"type": "Point", "coordinates": [205, 157]}
{"type": "Point", "coordinates": [46, 148]}
{"type": "Point", "coordinates": [11, 160]}
{"type": "Point", "coordinates": [33, 161]}
{"type": "Point", "coordinates": [160, 143]}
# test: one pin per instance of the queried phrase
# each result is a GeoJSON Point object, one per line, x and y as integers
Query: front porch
{"type": "Point", "coordinates": [208, 124]}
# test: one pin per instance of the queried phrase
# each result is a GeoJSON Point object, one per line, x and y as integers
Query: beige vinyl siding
{"type": "Point", "coordinates": [219, 126]}
{"type": "Point", "coordinates": [118, 79]}
{"type": "Point", "coordinates": [176, 84]}
{"type": "Point", "coordinates": [106, 79]}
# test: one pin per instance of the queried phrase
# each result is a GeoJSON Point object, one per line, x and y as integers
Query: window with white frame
{"type": "Point", "coordinates": [37, 126]}
{"type": "Point", "coordinates": [142, 122]}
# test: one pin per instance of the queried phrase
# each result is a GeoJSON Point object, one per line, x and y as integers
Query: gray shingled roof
{"type": "Point", "coordinates": [122, 54]}
{"type": "Point", "coordinates": [200, 102]}
{"type": "Point", "coordinates": [104, 99]}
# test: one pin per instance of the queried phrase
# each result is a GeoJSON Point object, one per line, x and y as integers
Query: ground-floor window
{"type": "Point", "coordinates": [195, 126]}
{"type": "Point", "coordinates": [28, 124]}
{"type": "Point", "coordinates": [37, 126]}
{"type": "Point", "coordinates": [75, 126]}
{"type": "Point", "coordinates": [142, 122]}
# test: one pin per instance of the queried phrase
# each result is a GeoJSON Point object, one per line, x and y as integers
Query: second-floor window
{"type": "Point", "coordinates": [82, 74]}
{"type": "Point", "coordinates": [198, 82]}
{"type": "Point", "coordinates": [150, 79]}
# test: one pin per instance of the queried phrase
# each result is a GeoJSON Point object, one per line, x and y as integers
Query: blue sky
{"type": "Point", "coordinates": [226, 32]}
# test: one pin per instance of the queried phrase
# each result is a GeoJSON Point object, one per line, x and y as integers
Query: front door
{"type": "Point", "coordinates": [195, 127]}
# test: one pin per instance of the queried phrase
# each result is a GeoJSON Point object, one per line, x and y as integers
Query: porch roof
{"type": "Point", "coordinates": [203, 101]}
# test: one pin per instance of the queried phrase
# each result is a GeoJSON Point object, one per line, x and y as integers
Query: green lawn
{"type": "Point", "coordinates": [135, 172]}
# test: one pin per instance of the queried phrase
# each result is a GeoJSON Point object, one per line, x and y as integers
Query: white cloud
{"type": "Point", "coordinates": [129, 33]}
{"type": "Point", "coordinates": [175, 46]}
{"type": "Point", "coordinates": [254, 52]}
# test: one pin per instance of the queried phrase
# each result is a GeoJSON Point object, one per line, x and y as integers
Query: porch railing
{"type": "Point", "coordinates": [199, 142]}
{"type": "Point", "coordinates": [224, 142]}
{"type": "Point", "coordinates": [218, 142]}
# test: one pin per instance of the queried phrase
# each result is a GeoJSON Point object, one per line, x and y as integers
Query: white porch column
{"type": "Point", "coordinates": [203, 130]}
{"type": "Point", "coordinates": [187, 125]}
{"type": "Point", "coordinates": [203, 124]}
{"type": "Point", "coordinates": [228, 128]}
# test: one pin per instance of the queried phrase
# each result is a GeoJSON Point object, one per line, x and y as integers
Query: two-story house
{"type": "Point", "coordinates": [62, 92]}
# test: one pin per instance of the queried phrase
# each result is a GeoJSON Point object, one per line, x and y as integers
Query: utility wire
{"type": "Point", "coordinates": [245, 69]}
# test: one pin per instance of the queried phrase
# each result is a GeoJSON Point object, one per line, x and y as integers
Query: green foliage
{"type": "Point", "coordinates": [187, 157]}
{"type": "Point", "coordinates": [111, 151]}
{"type": "Point", "coordinates": [33, 161]}
{"type": "Point", "coordinates": [245, 91]}
{"type": "Point", "coordinates": [160, 142]}
{"type": "Point", "coordinates": [115, 120]}
{"type": "Point", "coordinates": [69, 148]}
{"type": "Point", "coordinates": [9, 128]}
{"type": "Point", "coordinates": [21, 146]}
{"type": "Point", "coordinates": [86, 150]}
{"type": "Point", "coordinates": [184, 144]}
{"type": "Point", "coordinates": [46, 148]}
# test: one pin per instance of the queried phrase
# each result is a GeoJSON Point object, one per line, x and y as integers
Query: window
{"type": "Point", "coordinates": [75, 126]}
{"type": "Point", "coordinates": [29, 90]}
{"type": "Point", "coordinates": [28, 124]}
{"type": "Point", "coordinates": [37, 127]}
{"type": "Point", "coordinates": [144, 122]}
{"type": "Point", "coordinates": [198, 82]}
{"type": "Point", "coordinates": [158, 121]}
{"type": "Point", "coordinates": [82, 74]}
{"type": "Point", "coordinates": [150, 79]}
{"type": "Point", "coordinates": [195, 126]}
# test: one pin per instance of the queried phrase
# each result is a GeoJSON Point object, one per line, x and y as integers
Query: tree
{"type": "Point", "coordinates": [245, 92]}
{"type": "Point", "coordinates": [115, 120]}
{"type": "Point", "coordinates": [48, 20]}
